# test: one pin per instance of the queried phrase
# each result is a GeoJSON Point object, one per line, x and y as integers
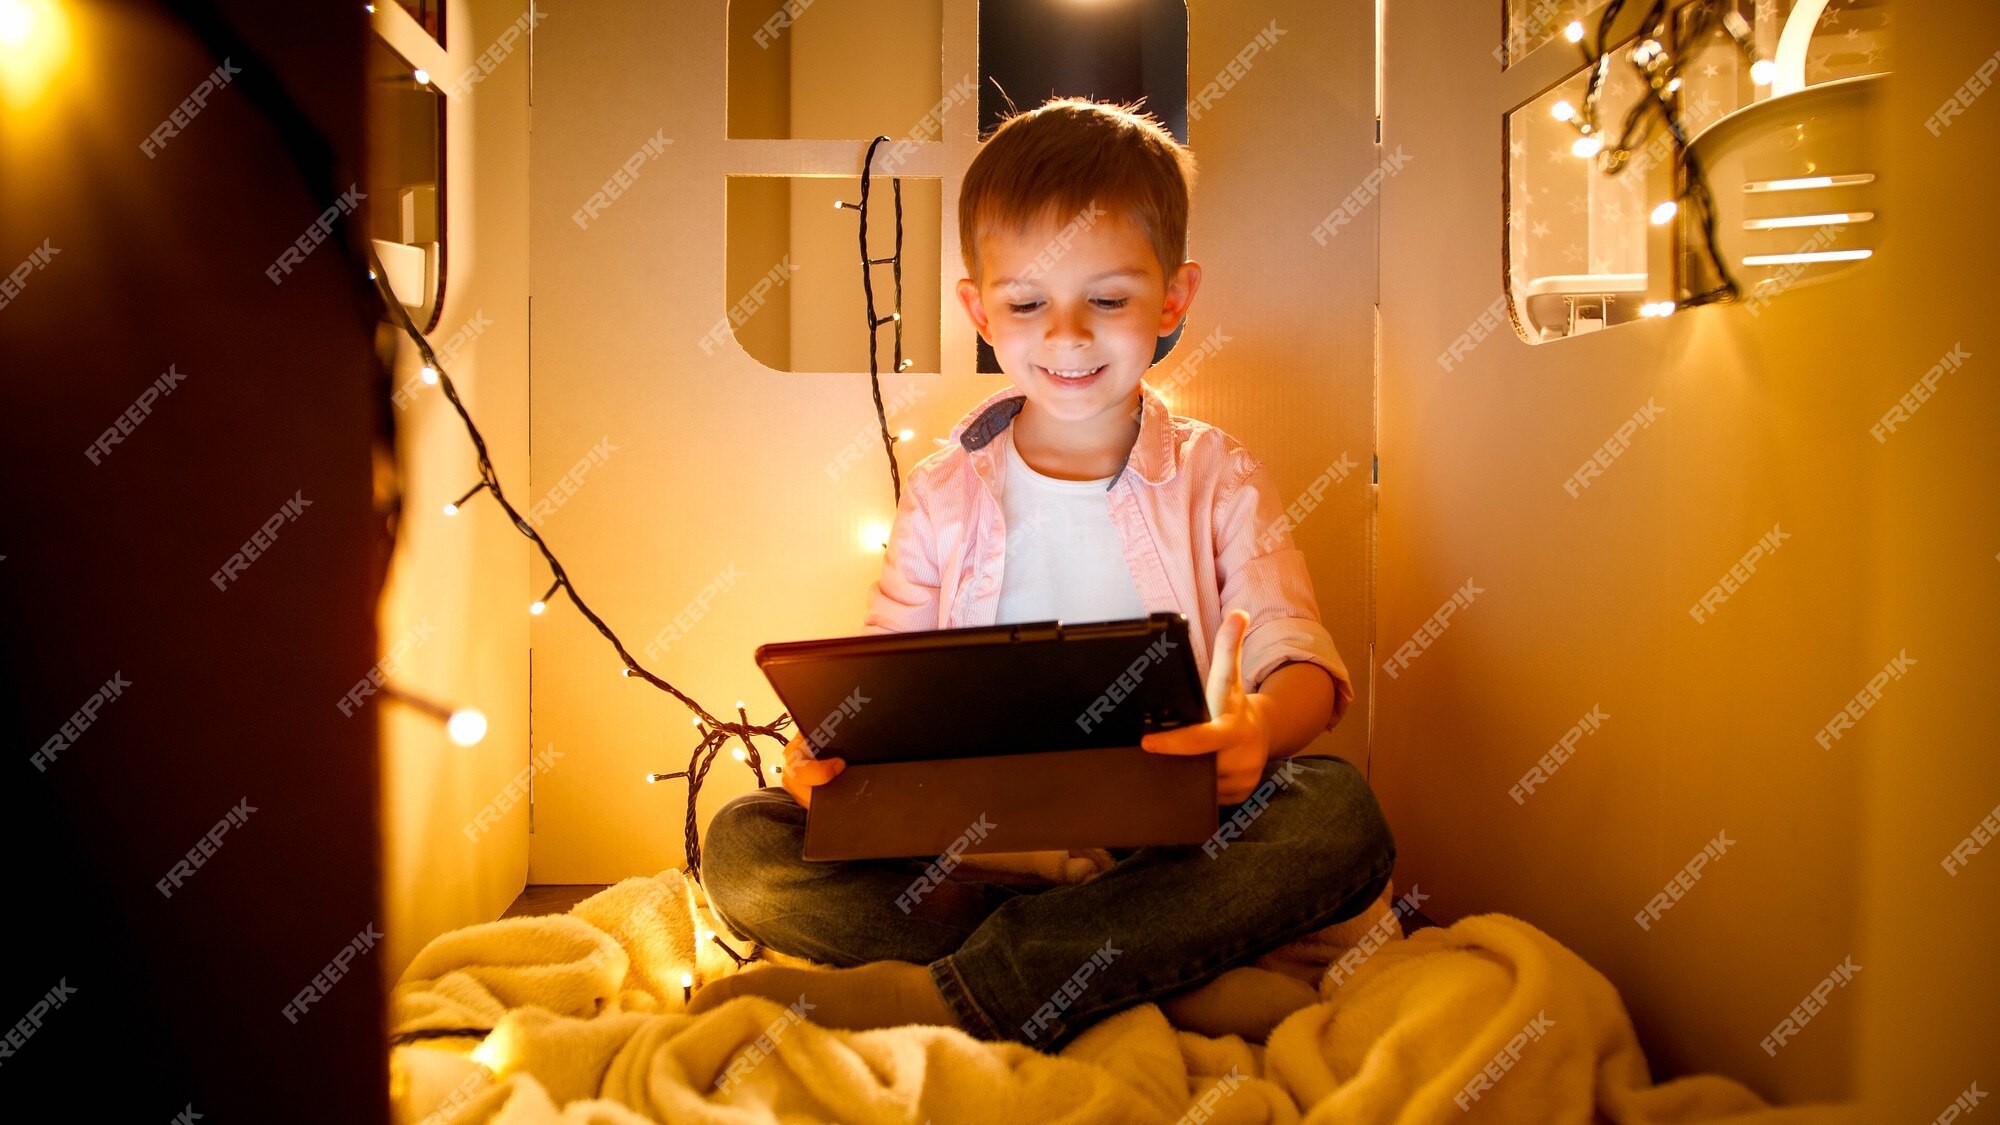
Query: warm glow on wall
{"type": "Point", "coordinates": [34, 44]}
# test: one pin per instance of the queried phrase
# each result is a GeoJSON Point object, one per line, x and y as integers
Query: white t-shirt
{"type": "Point", "coordinates": [1064, 560]}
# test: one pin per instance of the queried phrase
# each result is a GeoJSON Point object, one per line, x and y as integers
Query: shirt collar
{"type": "Point", "coordinates": [1151, 455]}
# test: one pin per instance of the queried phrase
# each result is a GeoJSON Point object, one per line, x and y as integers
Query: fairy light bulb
{"type": "Point", "coordinates": [538, 607]}
{"type": "Point", "coordinates": [1563, 111]}
{"type": "Point", "coordinates": [738, 754]}
{"type": "Point", "coordinates": [1574, 32]}
{"type": "Point", "coordinates": [905, 435]}
{"type": "Point", "coordinates": [422, 76]}
{"type": "Point", "coordinates": [429, 374]}
{"type": "Point", "coordinates": [1665, 212]}
{"type": "Point", "coordinates": [466, 727]}
{"type": "Point", "coordinates": [1763, 71]}
{"type": "Point", "coordinates": [450, 509]}
{"type": "Point", "coordinates": [1587, 147]}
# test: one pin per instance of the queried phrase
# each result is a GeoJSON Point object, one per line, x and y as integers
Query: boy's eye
{"type": "Point", "coordinates": [1106, 303]}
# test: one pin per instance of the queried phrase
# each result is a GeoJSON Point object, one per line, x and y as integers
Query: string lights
{"type": "Point", "coordinates": [875, 322]}
{"type": "Point", "coordinates": [1672, 30]}
{"type": "Point", "coordinates": [317, 163]}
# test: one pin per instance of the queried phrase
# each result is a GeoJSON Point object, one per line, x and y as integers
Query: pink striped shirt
{"type": "Point", "coordinates": [1202, 529]}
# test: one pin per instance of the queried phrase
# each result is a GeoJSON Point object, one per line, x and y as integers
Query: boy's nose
{"type": "Point", "coordinates": [1067, 331]}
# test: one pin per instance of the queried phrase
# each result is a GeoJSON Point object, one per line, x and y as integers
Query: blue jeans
{"type": "Point", "coordinates": [1038, 964]}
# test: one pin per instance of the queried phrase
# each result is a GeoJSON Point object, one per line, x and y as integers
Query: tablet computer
{"type": "Point", "coordinates": [1025, 736]}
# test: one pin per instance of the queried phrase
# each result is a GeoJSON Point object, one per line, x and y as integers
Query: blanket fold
{"type": "Point", "coordinates": [581, 1023]}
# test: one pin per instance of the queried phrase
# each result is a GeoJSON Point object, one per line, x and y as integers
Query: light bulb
{"type": "Point", "coordinates": [1563, 111]}
{"type": "Point", "coordinates": [422, 76]}
{"type": "Point", "coordinates": [1587, 147]}
{"type": "Point", "coordinates": [687, 980]}
{"type": "Point", "coordinates": [1763, 71]}
{"type": "Point", "coordinates": [429, 373]}
{"type": "Point", "coordinates": [1574, 32]}
{"type": "Point", "coordinates": [905, 435]}
{"type": "Point", "coordinates": [1665, 212]}
{"type": "Point", "coordinates": [738, 752]}
{"type": "Point", "coordinates": [1673, 84]}
{"type": "Point", "coordinates": [466, 727]}
{"type": "Point", "coordinates": [537, 608]}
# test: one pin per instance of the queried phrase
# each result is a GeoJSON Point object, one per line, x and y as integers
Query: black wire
{"type": "Point", "coordinates": [316, 161]}
{"type": "Point", "coordinates": [874, 322]}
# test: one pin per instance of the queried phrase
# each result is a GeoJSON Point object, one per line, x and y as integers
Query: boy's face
{"type": "Point", "coordinates": [1076, 294]}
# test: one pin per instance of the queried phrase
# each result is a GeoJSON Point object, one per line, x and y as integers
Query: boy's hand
{"type": "Point", "coordinates": [803, 771]}
{"type": "Point", "coordinates": [1236, 734]}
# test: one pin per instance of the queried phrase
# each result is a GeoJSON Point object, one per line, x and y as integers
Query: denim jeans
{"type": "Point", "coordinates": [1038, 964]}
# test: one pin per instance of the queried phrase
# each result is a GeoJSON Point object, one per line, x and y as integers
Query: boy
{"type": "Point", "coordinates": [1075, 495]}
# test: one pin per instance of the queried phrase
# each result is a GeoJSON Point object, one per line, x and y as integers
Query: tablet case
{"type": "Point", "coordinates": [999, 738]}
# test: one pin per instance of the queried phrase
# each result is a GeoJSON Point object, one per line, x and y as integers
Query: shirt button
{"type": "Point", "coordinates": [985, 583]}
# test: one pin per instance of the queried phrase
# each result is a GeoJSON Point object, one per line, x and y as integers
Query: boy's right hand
{"type": "Point", "coordinates": [803, 771]}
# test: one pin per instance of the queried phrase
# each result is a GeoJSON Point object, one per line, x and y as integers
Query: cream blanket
{"type": "Point", "coordinates": [1489, 1020]}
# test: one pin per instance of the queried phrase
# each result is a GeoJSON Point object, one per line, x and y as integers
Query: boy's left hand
{"type": "Point", "coordinates": [1236, 733]}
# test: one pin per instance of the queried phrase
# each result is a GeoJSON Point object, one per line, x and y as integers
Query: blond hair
{"type": "Point", "coordinates": [1070, 153]}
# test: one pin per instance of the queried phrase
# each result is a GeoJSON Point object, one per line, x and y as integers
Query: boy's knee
{"type": "Point", "coordinates": [742, 834]}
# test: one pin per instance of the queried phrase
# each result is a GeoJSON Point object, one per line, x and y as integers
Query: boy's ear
{"type": "Point", "coordinates": [975, 308]}
{"type": "Point", "coordinates": [1181, 286]}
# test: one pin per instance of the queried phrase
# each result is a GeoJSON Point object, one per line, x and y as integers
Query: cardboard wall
{"type": "Point", "coordinates": [1583, 598]}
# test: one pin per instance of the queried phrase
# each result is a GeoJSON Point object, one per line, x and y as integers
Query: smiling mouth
{"type": "Point", "coordinates": [1076, 375]}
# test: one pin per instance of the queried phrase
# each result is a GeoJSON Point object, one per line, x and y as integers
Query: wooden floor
{"type": "Point", "coordinates": [557, 898]}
